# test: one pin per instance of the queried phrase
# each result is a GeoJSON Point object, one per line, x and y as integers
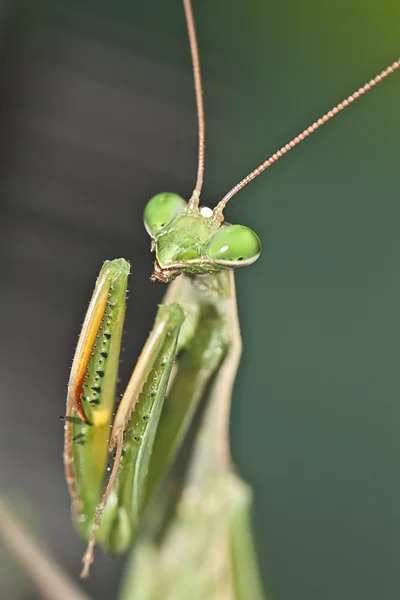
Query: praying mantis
{"type": "Point", "coordinates": [79, 439]}
{"type": "Point", "coordinates": [187, 366]}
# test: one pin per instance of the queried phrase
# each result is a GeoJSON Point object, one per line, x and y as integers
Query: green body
{"type": "Point", "coordinates": [174, 491]}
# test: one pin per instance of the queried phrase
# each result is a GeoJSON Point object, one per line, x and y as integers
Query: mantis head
{"type": "Point", "coordinates": [193, 240]}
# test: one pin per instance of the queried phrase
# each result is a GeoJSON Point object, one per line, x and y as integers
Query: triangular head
{"type": "Point", "coordinates": [194, 241]}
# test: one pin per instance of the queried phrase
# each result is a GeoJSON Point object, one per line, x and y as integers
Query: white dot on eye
{"type": "Point", "coordinates": [223, 249]}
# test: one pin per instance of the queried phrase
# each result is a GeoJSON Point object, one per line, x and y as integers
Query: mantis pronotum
{"type": "Point", "coordinates": [197, 323]}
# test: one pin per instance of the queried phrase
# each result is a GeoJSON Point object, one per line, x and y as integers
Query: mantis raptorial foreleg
{"type": "Point", "coordinates": [207, 551]}
{"type": "Point", "coordinates": [197, 326]}
{"type": "Point", "coordinates": [203, 343]}
{"type": "Point", "coordinates": [133, 435]}
{"type": "Point", "coordinates": [89, 408]}
{"type": "Point", "coordinates": [92, 390]}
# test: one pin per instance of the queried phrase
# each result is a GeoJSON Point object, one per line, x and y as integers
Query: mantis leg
{"type": "Point", "coordinates": [197, 325]}
{"type": "Point", "coordinates": [92, 391]}
{"type": "Point", "coordinates": [119, 512]}
{"type": "Point", "coordinates": [206, 551]}
{"type": "Point", "coordinates": [137, 431]}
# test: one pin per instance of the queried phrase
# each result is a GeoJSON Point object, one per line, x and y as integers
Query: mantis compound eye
{"type": "Point", "coordinates": [234, 246]}
{"type": "Point", "coordinates": [161, 210]}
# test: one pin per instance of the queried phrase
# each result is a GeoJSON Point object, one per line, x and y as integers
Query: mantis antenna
{"type": "Point", "coordinates": [218, 210]}
{"type": "Point", "coordinates": [194, 51]}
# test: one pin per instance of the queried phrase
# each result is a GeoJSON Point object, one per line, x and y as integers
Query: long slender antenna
{"type": "Point", "coordinates": [218, 210]}
{"type": "Point", "coordinates": [194, 200]}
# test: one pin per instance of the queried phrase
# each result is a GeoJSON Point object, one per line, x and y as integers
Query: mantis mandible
{"type": "Point", "coordinates": [176, 405]}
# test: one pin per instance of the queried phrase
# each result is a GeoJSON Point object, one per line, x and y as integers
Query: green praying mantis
{"type": "Point", "coordinates": [172, 486]}
{"type": "Point", "coordinates": [191, 356]}
{"type": "Point", "coordinates": [172, 489]}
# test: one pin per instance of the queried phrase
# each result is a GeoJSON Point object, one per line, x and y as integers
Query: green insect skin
{"type": "Point", "coordinates": [196, 329]}
{"type": "Point", "coordinates": [184, 241]}
{"type": "Point", "coordinates": [199, 247]}
{"type": "Point", "coordinates": [119, 523]}
{"type": "Point", "coordinates": [193, 242]}
{"type": "Point", "coordinates": [89, 441]}
{"type": "Point", "coordinates": [207, 344]}
{"type": "Point", "coordinates": [204, 341]}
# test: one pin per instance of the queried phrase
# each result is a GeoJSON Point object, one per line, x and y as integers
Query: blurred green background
{"type": "Point", "coordinates": [97, 114]}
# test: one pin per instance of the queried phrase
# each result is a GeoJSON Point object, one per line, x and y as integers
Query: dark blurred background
{"type": "Point", "coordinates": [97, 114]}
